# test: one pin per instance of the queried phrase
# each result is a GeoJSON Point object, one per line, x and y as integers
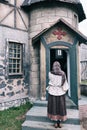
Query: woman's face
{"type": "Point", "coordinates": [56, 66]}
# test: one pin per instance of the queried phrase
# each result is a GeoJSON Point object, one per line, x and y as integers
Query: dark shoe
{"type": "Point", "coordinates": [56, 125]}
{"type": "Point", "coordinates": [59, 125]}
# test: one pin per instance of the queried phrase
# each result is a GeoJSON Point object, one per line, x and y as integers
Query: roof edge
{"type": "Point", "coordinates": [66, 24]}
{"type": "Point", "coordinates": [76, 5]}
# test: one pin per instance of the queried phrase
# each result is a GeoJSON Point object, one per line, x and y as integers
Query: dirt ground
{"type": "Point", "coordinates": [83, 116]}
{"type": "Point", "coordinates": [84, 124]}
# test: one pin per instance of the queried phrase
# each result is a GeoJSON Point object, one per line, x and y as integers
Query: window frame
{"type": "Point", "coordinates": [7, 74]}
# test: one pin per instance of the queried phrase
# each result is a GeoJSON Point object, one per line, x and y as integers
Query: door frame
{"type": "Point", "coordinates": [73, 92]}
{"type": "Point", "coordinates": [68, 67]}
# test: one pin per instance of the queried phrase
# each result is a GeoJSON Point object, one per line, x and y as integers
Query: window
{"type": "Point", "coordinates": [59, 53]}
{"type": "Point", "coordinates": [75, 21]}
{"type": "Point", "coordinates": [15, 58]}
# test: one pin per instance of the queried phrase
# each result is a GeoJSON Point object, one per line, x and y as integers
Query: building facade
{"type": "Point", "coordinates": [83, 61]}
{"type": "Point", "coordinates": [32, 35]}
{"type": "Point", "coordinates": [14, 54]}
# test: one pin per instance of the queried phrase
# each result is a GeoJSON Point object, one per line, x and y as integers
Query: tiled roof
{"type": "Point", "coordinates": [29, 2]}
{"type": "Point", "coordinates": [76, 4]}
{"type": "Point", "coordinates": [3, 1]}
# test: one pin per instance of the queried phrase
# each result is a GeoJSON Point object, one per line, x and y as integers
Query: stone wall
{"type": "Point", "coordinates": [41, 18]}
{"type": "Point", "coordinates": [83, 61]}
{"type": "Point", "coordinates": [13, 89]}
{"type": "Point", "coordinates": [34, 70]}
{"type": "Point", "coordinates": [13, 103]}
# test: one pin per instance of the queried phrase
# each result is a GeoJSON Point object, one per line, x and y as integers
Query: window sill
{"type": "Point", "coordinates": [20, 75]}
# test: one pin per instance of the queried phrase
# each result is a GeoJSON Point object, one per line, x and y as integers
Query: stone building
{"type": "Point", "coordinates": [14, 54]}
{"type": "Point", "coordinates": [83, 61]}
{"type": "Point", "coordinates": [34, 33]}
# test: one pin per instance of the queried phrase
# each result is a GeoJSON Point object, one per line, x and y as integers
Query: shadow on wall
{"type": "Point", "coordinates": [83, 89]}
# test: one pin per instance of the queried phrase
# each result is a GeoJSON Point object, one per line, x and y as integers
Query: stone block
{"type": "Point", "coordinates": [69, 20]}
{"type": "Point", "coordinates": [70, 14]}
{"type": "Point", "coordinates": [35, 67]}
{"type": "Point", "coordinates": [34, 74]}
{"type": "Point", "coordinates": [2, 84]}
{"type": "Point", "coordinates": [61, 12]}
{"type": "Point", "coordinates": [18, 92]}
{"type": "Point", "coordinates": [34, 91]}
{"type": "Point", "coordinates": [35, 14]}
{"type": "Point", "coordinates": [45, 25]}
{"type": "Point", "coordinates": [36, 60]}
{"type": "Point", "coordinates": [53, 19]}
{"type": "Point", "coordinates": [32, 22]}
{"type": "Point", "coordinates": [10, 81]}
{"type": "Point", "coordinates": [2, 94]}
{"type": "Point", "coordinates": [1, 72]}
{"type": "Point", "coordinates": [48, 12]}
{"type": "Point", "coordinates": [10, 94]}
{"type": "Point", "coordinates": [10, 87]}
{"type": "Point", "coordinates": [35, 81]}
{"type": "Point", "coordinates": [32, 34]}
{"type": "Point", "coordinates": [41, 20]}
{"type": "Point", "coordinates": [34, 52]}
{"type": "Point", "coordinates": [18, 82]}
{"type": "Point", "coordinates": [35, 28]}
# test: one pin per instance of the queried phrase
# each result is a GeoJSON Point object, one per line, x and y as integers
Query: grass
{"type": "Point", "coordinates": [13, 118]}
{"type": "Point", "coordinates": [84, 82]}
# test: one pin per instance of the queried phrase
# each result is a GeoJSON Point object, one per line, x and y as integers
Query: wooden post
{"type": "Point", "coordinates": [43, 72]}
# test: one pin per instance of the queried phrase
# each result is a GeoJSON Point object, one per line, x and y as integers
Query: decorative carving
{"type": "Point", "coordinates": [59, 33]}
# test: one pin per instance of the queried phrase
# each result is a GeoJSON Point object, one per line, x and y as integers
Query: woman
{"type": "Point", "coordinates": [56, 98]}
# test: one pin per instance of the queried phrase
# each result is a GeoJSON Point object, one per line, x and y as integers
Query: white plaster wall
{"type": "Point", "coordinates": [13, 17]}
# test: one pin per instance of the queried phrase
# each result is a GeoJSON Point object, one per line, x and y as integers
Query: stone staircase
{"type": "Point", "coordinates": [36, 118]}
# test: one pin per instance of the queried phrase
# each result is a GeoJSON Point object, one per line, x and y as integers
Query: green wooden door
{"type": "Point", "coordinates": [73, 74]}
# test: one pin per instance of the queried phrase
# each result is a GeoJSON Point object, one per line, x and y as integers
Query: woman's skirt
{"type": "Point", "coordinates": [57, 107]}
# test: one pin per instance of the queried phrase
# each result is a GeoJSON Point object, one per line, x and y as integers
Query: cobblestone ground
{"type": "Point", "coordinates": [83, 116]}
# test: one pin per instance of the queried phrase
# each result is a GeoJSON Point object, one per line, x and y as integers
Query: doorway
{"type": "Point", "coordinates": [60, 56]}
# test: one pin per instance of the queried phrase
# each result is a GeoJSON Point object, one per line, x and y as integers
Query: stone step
{"type": "Point", "coordinates": [38, 125]}
{"type": "Point", "coordinates": [69, 103]}
{"type": "Point", "coordinates": [45, 119]}
{"type": "Point", "coordinates": [37, 111]}
{"type": "Point", "coordinates": [36, 118]}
